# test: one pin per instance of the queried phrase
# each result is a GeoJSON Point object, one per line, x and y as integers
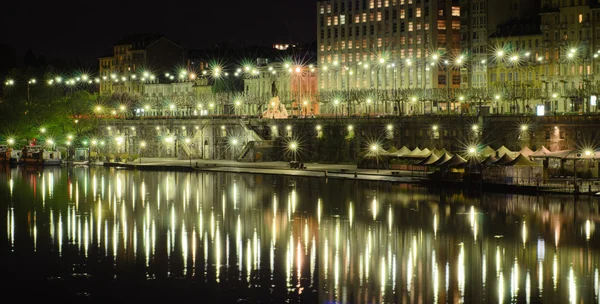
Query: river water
{"type": "Point", "coordinates": [112, 234]}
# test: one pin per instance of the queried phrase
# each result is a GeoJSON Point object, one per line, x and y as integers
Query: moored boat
{"type": "Point", "coordinates": [8, 155]}
{"type": "Point", "coordinates": [37, 155]}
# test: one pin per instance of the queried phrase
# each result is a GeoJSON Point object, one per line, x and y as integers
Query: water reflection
{"type": "Point", "coordinates": [263, 237]}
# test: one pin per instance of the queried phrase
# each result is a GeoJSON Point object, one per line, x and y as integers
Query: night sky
{"type": "Point", "coordinates": [85, 30]}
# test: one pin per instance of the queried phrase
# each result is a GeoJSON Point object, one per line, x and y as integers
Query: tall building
{"type": "Point", "coordinates": [479, 20]}
{"type": "Point", "coordinates": [570, 33]}
{"type": "Point", "coordinates": [517, 66]}
{"type": "Point", "coordinates": [137, 54]}
{"type": "Point", "coordinates": [386, 44]}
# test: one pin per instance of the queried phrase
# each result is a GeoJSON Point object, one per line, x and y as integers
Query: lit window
{"type": "Point", "coordinates": [329, 21]}
{"type": "Point", "coordinates": [455, 11]}
{"type": "Point", "coordinates": [343, 19]}
{"type": "Point", "coordinates": [372, 4]}
{"type": "Point", "coordinates": [441, 24]}
{"type": "Point", "coordinates": [378, 16]}
{"type": "Point", "coordinates": [426, 26]}
{"type": "Point", "coordinates": [335, 20]}
{"type": "Point", "coordinates": [410, 26]}
{"type": "Point", "coordinates": [402, 13]}
{"type": "Point", "coordinates": [329, 8]}
{"type": "Point", "coordinates": [455, 24]}
{"type": "Point", "coordinates": [387, 3]}
{"type": "Point", "coordinates": [357, 19]}
{"type": "Point", "coordinates": [322, 9]}
{"type": "Point", "coordinates": [580, 18]}
{"type": "Point", "coordinates": [441, 13]}
{"type": "Point", "coordinates": [418, 12]}
{"type": "Point", "coordinates": [379, 42]}
{"type": "Point", "coordinates": [364, 17]}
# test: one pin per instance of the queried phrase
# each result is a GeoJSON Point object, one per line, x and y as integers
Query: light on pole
{"type": "Point", "coordinates": [142, 146]}
{"type": "Point", "coordinates": [375, 149]}
{"type": "Point", "coordinates": [294, 147]}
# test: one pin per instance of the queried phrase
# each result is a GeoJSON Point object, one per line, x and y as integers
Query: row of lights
{"type": "Point", "coordinates": [182, 75]}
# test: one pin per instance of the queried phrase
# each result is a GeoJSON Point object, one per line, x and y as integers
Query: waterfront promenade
{"type": "Point", "coordinates": [342, 171]}
{"type": "Point", "coordinates": [350, 171]}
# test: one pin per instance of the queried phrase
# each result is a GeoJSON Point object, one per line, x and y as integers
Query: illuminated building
{"type": "Point", "coordinates": [134, 54]}
{"type": "Point", "coordinates": [388, 44]}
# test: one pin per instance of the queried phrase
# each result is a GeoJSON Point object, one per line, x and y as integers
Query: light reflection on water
{"type": "Point", "coordinates": [262, 237]}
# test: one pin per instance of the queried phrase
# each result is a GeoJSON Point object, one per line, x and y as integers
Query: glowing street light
{"type": "Point", "coordinates": [43, 130]}
{"type": "Point", "coordinates": [375, 149]}
{"type": "Point", "coordinates": [350, 128]}
{"type": "Point", "coordinates": [472, 151]}
{"type": "Point", "coordinates": [389, 127]}
{"type": "Point", "coordinates": [11, 141]}
{"type": "Point", "coordinates": [142, 146]}
{"type": "Point", "coordinates": [588, 152]}
{"type": "Point", "coordinates": [293, 146]}
{"type": "Point", "coordinates": [475, 127]}
{"type": "Point", "coordinates": [434, 127]}
{"type": "Point", "coordinates": [524, 127]}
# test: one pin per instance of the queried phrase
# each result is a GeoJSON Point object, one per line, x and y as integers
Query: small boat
{"type": "Point", "coordinates": [8, 155]}
{"type": "Point", "coordinates": [37, 155]}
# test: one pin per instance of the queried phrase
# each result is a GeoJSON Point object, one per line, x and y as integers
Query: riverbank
{"type": "Point", "coordinates": [349, 171]}
{"type": "Point", "coordinates": [341, 171]}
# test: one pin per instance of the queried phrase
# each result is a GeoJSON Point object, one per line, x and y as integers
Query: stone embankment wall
{"type": "Point", "coordinates": [342, 139]}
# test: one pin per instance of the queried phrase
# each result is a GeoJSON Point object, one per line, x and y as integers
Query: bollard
{"type": "Point", "coordinates": [355, 175]}
{"type": "Point", "coordinates": [325, 173]}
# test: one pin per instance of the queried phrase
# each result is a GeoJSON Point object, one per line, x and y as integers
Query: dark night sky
{"type": "Point", "coordinates": [85, 30]}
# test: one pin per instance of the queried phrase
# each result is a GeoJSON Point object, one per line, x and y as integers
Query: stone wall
{"type": "Point", "coordinates": [343, 139]}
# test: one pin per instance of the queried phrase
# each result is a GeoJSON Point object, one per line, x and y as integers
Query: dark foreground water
{"type": "Point", "coordinates": [221, 238]}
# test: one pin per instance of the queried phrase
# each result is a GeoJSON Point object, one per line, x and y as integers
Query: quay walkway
{"type": "Point", "coordinates": [350, 171]}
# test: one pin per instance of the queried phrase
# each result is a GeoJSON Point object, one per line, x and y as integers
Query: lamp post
{"type": "Point", "coordinates": [588, 153]}
{"type": "Point", "coordinates": [375, 149]}
{"type": "Point", "coordinates": [294, 147]}
{"type": "Point", "coordinates": [142, 146]}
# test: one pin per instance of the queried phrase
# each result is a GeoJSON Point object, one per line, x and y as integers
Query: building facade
{"type": "Point", "coordinates": [294, 85]}
{"type": "Point", "coordinates": [388, 44]}
{"type": "Point", "coordinates": [479, 20]}
{"type": "Point", "coordinates": [571, 43]}
{"type": "Point", "coordinates": [135, 55]}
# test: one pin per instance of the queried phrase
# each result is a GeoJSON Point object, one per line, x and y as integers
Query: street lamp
{"type": "Point", "coordinates": [375, 149]}
{"type": "Point", "coordinates": [142, 146]}
{"type": "Point", "coordinates": [293, 146]}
